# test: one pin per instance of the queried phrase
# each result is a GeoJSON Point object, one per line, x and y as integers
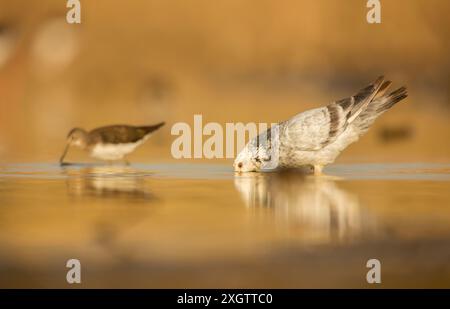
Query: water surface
{"type": "Point", "coordinates": [201, 225]}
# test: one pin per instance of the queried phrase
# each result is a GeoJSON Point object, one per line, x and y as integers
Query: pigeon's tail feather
{"type": "Point", "coordinates": [377, 107]}
{"type": "Point", "coordinates": [345, 111]}
{"type": "Point", "coordinates": [356, 104]}
{"type": "Point", "coordinates": [392, 99]}
{"type": "Point", "coordinates": [357, 112]}
{"type": "Point", "coordinates": [364, 97]}
{"type": "Point", "coordinates": [384, 87]}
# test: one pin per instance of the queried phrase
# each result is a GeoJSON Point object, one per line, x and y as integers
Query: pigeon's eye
{"type": "Point", "coordinates": [240, 164]}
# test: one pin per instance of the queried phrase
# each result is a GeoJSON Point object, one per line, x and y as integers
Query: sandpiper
{"type": "Point", "coordinates": [109, 143]}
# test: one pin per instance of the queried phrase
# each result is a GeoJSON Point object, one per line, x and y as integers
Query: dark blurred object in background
{"type": "Point", "coordinates": [397, 133]}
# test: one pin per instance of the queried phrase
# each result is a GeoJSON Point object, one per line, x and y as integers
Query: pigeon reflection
{"type": "Point", "coordinates": [111, 181]}
{"type": "Point", "coordinates": [316, 206]}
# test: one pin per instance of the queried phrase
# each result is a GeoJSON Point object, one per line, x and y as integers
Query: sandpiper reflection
{"type": "Point", "coordinates": [108, 181]}
{"type": "Point", "coordinates": [110, 186]}
{"type": "Point", "coordinates": [314, 206]}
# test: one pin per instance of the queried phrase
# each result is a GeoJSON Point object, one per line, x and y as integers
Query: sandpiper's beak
{"type": "Point", "coordinates": [64, 154]}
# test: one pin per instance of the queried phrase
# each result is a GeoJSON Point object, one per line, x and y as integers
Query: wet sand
{"type": "Point", "coordinates": [200, 225]}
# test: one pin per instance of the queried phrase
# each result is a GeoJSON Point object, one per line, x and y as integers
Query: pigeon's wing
{"type": "Point", "coordinates": [308, 131]}
{"type": "Point", "coordinates": [316, 128]}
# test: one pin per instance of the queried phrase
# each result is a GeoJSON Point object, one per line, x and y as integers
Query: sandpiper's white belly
{"type": "Point", "coordinates": [113, 151]}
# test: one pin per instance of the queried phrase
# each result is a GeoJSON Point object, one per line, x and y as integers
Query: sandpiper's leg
{"type": "Point", "coordinates": [318, 170]}
{"type": "Point", "coordinates": [125, 160]}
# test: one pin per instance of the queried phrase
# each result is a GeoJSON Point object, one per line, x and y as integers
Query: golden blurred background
{"type": "Point", "coordinates": [141, 62]}
{"type": "Point", "coordinates": [199, 225]}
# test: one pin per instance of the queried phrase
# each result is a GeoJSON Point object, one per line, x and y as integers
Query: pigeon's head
{"type": "Point", "coordinates": [251, 159]}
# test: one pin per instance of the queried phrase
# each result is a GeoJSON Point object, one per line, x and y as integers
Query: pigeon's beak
{"type": "Point", "coordinates": [61, 160]}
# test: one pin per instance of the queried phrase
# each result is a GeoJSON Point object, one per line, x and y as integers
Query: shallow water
{"type": "Point", "coordinates": [200, 225]}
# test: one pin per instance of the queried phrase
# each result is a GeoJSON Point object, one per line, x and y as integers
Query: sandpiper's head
{"type": "Point", "coordinates": [77, 137]}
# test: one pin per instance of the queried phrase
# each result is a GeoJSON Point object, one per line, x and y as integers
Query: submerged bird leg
{"type": "Point", "coordinates": [125, 161]}
{"type": "Point", "coordinates": [318, 170]}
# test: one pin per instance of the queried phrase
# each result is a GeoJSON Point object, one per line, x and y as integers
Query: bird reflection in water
{"type": "Point", "coordinates": [113, 188]}
{"type": "Point", "coordinates": [314, 206]}
{"type": "Point", "coordinates": [121, 182]}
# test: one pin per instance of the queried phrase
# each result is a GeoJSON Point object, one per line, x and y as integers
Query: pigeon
{"type": "Point", "coordinates": [316, 137]}
{"type": "Point", "coordinates": [109, 143]}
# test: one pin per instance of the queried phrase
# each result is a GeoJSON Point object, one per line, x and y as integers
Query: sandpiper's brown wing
{"type": "Point", "coordinates": [121, 134]}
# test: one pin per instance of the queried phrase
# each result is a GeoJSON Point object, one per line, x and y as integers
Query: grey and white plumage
{"type": "Point", "coordinates": [317, 136]}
